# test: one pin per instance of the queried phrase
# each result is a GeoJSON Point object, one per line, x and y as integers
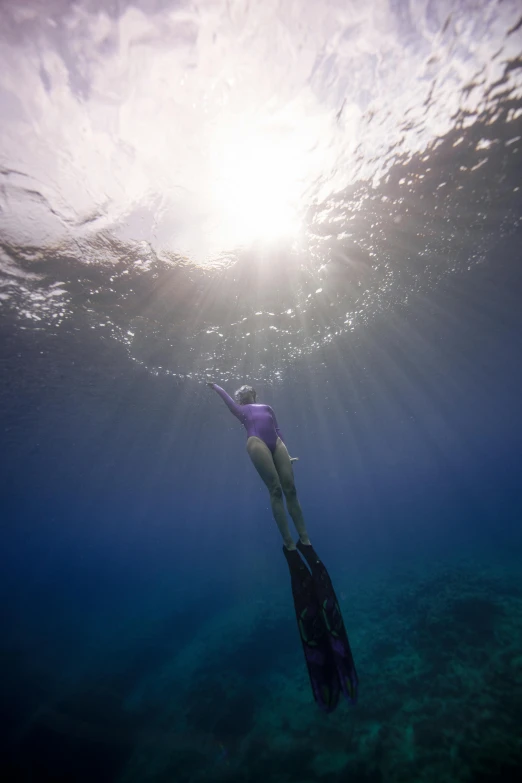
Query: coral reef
{"type": "Point", "coordinates": [438, 654]}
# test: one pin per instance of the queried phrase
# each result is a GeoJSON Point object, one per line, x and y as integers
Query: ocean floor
{"type": "Point", "coordinates": [439, 656]}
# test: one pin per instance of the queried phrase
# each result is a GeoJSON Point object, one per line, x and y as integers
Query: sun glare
{"type": "Point", "coordinates": [258, 186]}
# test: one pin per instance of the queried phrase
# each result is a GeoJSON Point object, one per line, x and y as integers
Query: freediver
{"type": "Point", "coordinates": [319, 619]}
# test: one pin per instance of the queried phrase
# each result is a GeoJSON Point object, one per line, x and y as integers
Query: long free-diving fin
{"type": "Point", "coordinates": [314, 634]}
{"type": "Point", "coordinates": [333, 619]}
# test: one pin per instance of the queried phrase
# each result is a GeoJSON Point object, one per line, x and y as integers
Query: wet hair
{"type": "Point", "coordinates": [242, 393]}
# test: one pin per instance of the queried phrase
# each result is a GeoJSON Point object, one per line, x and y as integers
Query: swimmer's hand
{"type": "Point", "coordinates": [294, 459]}
{"type": "Point", "coordinates": [210, 383]}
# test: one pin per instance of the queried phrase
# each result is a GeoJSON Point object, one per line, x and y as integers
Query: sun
{"type": "Point", "coordinates": [258, 185]}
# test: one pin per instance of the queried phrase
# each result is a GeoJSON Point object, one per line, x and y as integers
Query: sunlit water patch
{"type": "Point", "coordinates": [226, 187]}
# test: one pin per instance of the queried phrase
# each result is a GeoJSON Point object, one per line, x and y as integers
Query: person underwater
{"type": "Point", "coordinates": [323, 635]}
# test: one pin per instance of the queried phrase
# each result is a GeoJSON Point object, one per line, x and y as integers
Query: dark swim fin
{"type": "Point", "coordinates": [314, 634]}
{"type": "Point", "coordinates": [333, 619]}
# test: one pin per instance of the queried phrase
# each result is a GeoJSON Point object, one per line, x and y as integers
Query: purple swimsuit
{"type": "Point", "coordinates": [258, 420]}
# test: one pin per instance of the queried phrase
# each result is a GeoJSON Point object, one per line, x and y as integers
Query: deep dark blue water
{"type": "Point", "coordinates": [147, 623]}
{"type": "Point", "coordinates": [148, 632]}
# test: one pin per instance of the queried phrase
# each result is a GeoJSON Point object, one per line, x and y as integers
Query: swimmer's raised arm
{"type": "Point", "coordinates": [227, 399]}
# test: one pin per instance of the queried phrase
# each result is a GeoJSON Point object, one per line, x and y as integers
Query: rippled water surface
{"type": "Point", "coordinates": [225, 187]}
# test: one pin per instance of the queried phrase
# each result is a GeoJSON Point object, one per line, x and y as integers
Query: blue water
{"type": "Point", "coordinates": [147, 628]}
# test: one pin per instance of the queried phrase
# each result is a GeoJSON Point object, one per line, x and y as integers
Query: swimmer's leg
{"type": "Point", "coordinates": [286, 477]}
{"type": "Point", "coordinates": [261, 456]}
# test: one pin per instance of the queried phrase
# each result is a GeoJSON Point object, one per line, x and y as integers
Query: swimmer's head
{"type": "Point", "coordinates": [246, 395]}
